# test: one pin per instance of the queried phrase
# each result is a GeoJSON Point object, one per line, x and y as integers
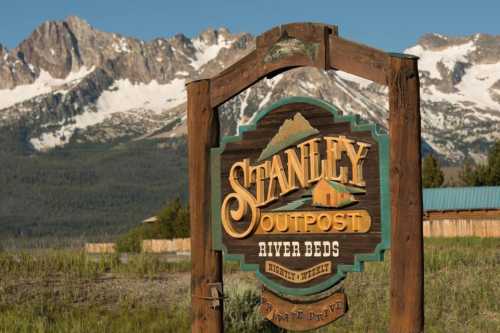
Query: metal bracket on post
{"type": "Point", "coordinates": [216, 293]}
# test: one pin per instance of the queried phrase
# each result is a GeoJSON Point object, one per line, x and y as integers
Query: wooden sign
{"type": "Point", "coordinates": [301, 196]}
{"type": "Point", "coordinates": [302, 316]}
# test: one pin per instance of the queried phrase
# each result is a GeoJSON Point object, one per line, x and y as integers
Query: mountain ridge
{"type": "Point", "coordinates": [70, 83]}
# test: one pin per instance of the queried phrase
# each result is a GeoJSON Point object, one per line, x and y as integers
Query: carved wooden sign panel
{"type": "Point", "coordinates": [301, 196]}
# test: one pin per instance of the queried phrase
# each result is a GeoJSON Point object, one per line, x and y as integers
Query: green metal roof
{"type": "Point", "coordinates": [461, 198]}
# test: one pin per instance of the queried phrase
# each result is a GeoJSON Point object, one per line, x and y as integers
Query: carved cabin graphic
{"type": "Point", "coordinates": [332, 194]}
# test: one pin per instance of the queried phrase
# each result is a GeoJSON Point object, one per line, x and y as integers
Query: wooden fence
{"type": "Point", "coordinates": [462, 228]}
{"type": "Point", "coordinates": [100, 247]}
{"type": "Point", "coordinates": [178, 245]}
{"type": "Point", "coordinates": [432, 228]}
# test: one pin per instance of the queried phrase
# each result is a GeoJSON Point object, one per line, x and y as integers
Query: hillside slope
{"type": "Point", "coordinates": [93, 124]}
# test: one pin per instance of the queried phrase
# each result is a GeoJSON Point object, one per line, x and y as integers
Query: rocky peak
{"type": "Point", "coordinates": [4, 54]}
{"type": "Point", "coordinates": [78, 24]}
{"type": "Point", "coordinates": [90, 85]}
{"type": "Point", "coordinates": [444, 60]}
{"type": "Point", "coordinates": [62, 47]}
{"type": "Point", "coordinates": [211, 36]}
{"type": "Point", "coordinates": [179, 39]}
{"type": "Point", "coordinates": [433, 41]}
{"type": "Point", "coordinates": [13, 70]}
{"type": "Point", "coordinates": [53, 48]}
{"type": "Point", "coordinates": [183, 44]}
{"type": "Point", "coordinates": [479, 48]}
{"type": "Point", "coordinates": [487, 49]}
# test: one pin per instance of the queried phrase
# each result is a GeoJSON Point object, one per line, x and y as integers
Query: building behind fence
{"type": "Point", "coordinates": [462, 212]}
{"type": "Point", "coordinates": [449, 212]}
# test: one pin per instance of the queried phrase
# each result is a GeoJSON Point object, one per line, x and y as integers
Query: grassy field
{"type": "Point", "coordinates": [66, 291]}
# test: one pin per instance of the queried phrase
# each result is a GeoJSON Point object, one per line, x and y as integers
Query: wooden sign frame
{"type": "Point", "coordinates": [356, 125]}
{"type": "Point", "coordinates": [329, 51]}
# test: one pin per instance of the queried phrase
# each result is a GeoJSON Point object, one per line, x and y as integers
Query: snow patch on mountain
{"type": "Point", "coordinates": [448, 56]}
{"type": "Point", "coordinates": [363, 83]}
{"type": "Point", "coordinates": [121, 46]}
{"type": "Point", "coordinates": [44, 84]}
{"type": "Point", "coordinates": [137, 88]}
{"type": "Point", "coordinates": [476, 83]}
{"type": "Point", "coordinates": [473, 90]}
{"type": "Point", "coordinates": [124, 95]}
{"type": "Point", "coordinates": [206, 51]}
{"type": "Point", "coordinates": [271, 84]}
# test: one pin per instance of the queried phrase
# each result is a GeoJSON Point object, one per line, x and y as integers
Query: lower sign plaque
{"type": "Point", "coordinates": [302, 316]}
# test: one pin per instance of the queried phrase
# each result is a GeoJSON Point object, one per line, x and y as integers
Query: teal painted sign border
{"type": "Point", "coordinates": [356, 125]}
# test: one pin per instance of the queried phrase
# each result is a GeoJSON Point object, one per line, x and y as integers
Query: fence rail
{"type": "Point", "coordinates": [431, 228]}
{"type": "Point", "coordinates": [178, 245]}
{"type": "Point", "coordinates": [462, 228]}
{"type": "Point", "coordinates": [100, 247]}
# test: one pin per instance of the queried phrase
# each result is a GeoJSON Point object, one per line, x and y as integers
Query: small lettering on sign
{"type": "Point", "coordinates": [299, 316]}
{"type": "Point", "coordinates": [298, 276]}
{"type": "Point", "coordinates": [293, 249]}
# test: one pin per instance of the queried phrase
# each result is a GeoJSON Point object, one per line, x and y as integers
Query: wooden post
{"type": "Point", "coordinates": [206, 271]}
{"type": "Point", "coordinates": [407, 274]}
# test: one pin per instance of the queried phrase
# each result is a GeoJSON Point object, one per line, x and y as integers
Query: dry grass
{"type": "Point", "coordinates": [66, 291]}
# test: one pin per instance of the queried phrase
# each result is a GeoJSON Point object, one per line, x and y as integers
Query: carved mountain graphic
{"type": "Point", "coordinates": [287, 46]}
{"type": "Point", "coordinates": [290, 132]}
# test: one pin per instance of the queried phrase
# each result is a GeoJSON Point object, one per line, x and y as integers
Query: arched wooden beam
{"type": "Point", "coordinates": [358, 59]}
{"type": "Point", "coordinates": [298, 45]}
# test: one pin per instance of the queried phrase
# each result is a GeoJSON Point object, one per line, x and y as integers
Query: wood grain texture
{"type": "Point", "coordinates": [358, 59]}
{"type": "Point", "coordinates": [407, 287]}
{"type": "Point", "coordinates": [203, 134]}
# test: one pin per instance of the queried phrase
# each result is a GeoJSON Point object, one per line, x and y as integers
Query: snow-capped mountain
{"type": "Point", "coordinates": [70, 83]}
{"type": "Point", "coordinates": [460, 79]}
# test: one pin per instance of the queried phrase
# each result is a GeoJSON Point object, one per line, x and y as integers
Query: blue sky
{"type": "Point", "coordinates": [389, 25]}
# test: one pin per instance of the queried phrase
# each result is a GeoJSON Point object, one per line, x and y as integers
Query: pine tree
{"type": "Point", "coordinates": [174, 220]}
{"type": "Point", "coordinates": [493, 171]}
{"type": "Point", "coordinates": [432, 175]}
{"type": "Point", "coordinates": [483, 174]}
{"type": "Point", "coordinates": [468, 175]}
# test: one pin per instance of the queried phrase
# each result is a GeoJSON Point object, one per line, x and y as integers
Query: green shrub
{"type": "Point", "coordinates": [432, 175]}
{"type": "Point", "coordinates": [132, 240]}
{"type": "Point", "coordinates": [241, 310]}
{"type": "Point", "coordinates": [173, 222]}
{"type": "Point", "coordinates": [483, 174]}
